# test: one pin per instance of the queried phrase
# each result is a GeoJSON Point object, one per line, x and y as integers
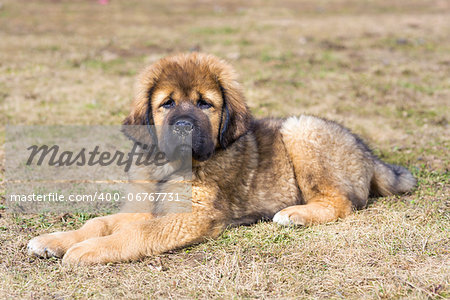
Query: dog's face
{"type": "Point", "coordinates": [190, 96]}
{"type": "Point", "coordinates": [187, 104]}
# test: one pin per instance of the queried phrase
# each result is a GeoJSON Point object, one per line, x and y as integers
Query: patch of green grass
{"type": "Point", "coordinates": [4, 13]}
{"type": "Point", "coordinates": [93, 105]}
{"type": "Point", "coordinates": [328, 56]}
{"type": "Point", "coordinates": [49, 48]}
{"type": "Point", "coordinates": [418, 87]}
{"type": "Point", "coordinates": [245, 42]}
{"type": "Point", "coordinates": [103, 65]}
{"type": "Point", "coordinates": [221, 30]}
{"type": "Point", "coordinates": [280, 58]}
{"type": "Point", "coordinates": [413, 157]}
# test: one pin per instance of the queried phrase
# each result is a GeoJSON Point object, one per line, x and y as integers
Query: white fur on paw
{"type": "Point", "coordinates": [37, 248]}
{"type": "Point", "coordinates": [282, 219]}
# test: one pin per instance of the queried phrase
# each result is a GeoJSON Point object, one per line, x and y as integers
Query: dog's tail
{"type": "Point", "coordinates": [391, 180]}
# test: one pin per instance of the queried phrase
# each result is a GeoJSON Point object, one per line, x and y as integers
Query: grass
{"type": "Point", "coordinates": [378, 67]}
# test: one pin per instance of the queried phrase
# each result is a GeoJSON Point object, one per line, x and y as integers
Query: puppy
{"type": "Point", "coordinates": [297, 171]}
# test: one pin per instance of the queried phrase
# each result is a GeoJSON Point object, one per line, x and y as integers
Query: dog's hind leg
{"type": "Point", "coordinates": [332, 167]}
{"type": "Point", "coordinates": [319, 210]}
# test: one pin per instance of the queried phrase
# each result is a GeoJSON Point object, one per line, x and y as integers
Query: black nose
{"type": "Point", "coordinates": [183, 127]}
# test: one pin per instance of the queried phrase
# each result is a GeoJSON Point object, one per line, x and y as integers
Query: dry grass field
{"type": "Point", "coordinates": [381, 68]}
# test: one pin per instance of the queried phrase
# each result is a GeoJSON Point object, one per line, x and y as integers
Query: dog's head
{"type": "Point", "coordinates": [189, 95]}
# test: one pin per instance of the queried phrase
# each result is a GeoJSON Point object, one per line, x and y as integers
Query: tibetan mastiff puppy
{"type": "Point", "coordinates": [301, 170]}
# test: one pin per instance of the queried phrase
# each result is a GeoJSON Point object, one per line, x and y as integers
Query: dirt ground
{"type": "Point", "coordinates": [381, 68]}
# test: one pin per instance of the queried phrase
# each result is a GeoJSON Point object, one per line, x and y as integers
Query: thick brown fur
{"type": "Point", "coordinates": [303, 170]}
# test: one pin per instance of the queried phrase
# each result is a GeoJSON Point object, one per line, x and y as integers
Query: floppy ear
{"type": "Point", "coordinates": [138, 128]}
{"type": "Point", "coordinates": [138, 125]}
{"type": "Point", "coordinates": [235, 115]}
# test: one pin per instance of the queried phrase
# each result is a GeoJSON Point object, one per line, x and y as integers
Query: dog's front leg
{"type": "Point", "coordinates": [145, 238]}
{"type": "Point", "coordinates": [57, 243]}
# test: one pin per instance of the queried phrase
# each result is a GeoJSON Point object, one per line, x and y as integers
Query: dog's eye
{"type": "Point", "coordinates": [168, 104]}
{"type": "Point", "coordinates": [202, 104]}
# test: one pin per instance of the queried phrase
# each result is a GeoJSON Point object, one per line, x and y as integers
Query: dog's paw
{"type": "Point", "coordinates": [282, 219]}
{"type": "Point", "coordinates": [50, 245]}
{"type": "Point", "coordinates": [289, 217]}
